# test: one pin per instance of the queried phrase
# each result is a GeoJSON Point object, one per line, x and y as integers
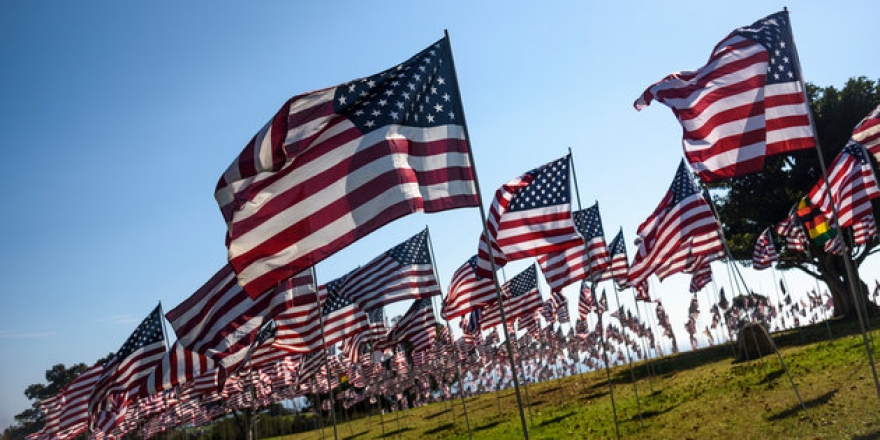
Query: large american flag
{"type": "Point", "coordinates": [746, 103]}
{"type": "Point", "coordinates": [530, 216]}
{"type": "Point", "coordinates": [404, 272]}
{"type": "Point", "coordinates": [681, 229]}
{"type": "Point", "coordinates": [852, 186]}
{"type": "Point", "coordinates": [867, 133]}
{"type": "Point", "coordinates": [521, 296]}
{"type": "Point", "coordinates": [577, 262]}
{"type": "Point", "coordinates": [467, 291]}
{"type": "Point", "coordinates": [765, 252]}
{"type": "Point", "coordinates": [619, 262]}
{"type": "Point", "coordinates": [221, 321]}
{"type": "Point", "coordinates": [299, 332]}
{"type": "Point", "coordinates": [134, 361]}
{"type": "Point", "coordinates": [336, 164]}
{"type": "Point", "coordinates": [418, 326]}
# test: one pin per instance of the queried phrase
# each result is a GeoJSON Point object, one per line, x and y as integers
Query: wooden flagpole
{"type": "Point", "coordinates": [522, 415]}
{"type": "Point", "coordinates": [593, 289]}
{"type": "Point", "coordinates": [449, 329]}
{"type": "Point", "coordinates": [851, 274]}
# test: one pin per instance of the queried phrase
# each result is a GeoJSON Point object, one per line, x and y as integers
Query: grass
{"type": "Point", "coordinates": [699, 394]}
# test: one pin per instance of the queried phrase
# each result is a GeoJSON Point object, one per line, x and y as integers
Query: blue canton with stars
{"type": "Point", "coordinates": [334, 302]}
{"type": "Point", "coordinates": [549, 187]}
{"type": "Point", "coordinates": [617, 245]}
{"type": "Point", "coordinates": [682, 186]}
{"type": "Point", "coordinates": [589, 223]}
{"type": "Point", "coordinates": [856, 150]}
{"type": "Point", "coordinates": [421, 92]}
{"type": "Point", "coordinates": [376, 316]}
{"type": "Point", "coordinates": [147, 333]}
{"type": "Point", "coordinates": [412, 251]}
{"type": "Point", "coordinates": [772, 32]}
{"type": "Point", "coordinates": [523, 283]}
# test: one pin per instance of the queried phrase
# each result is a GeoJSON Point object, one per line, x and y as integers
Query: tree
{"type": "Point", "coordinates": [749, 204]}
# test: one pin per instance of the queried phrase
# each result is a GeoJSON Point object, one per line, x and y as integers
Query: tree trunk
{"type": "Point", "coordinates": [833, 272]}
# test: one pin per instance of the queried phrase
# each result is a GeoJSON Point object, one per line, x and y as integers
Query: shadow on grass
{"type": "Point", "coordinates": [487, 426]}
{"type": "Point", "coordinates": [821, 400]}
{"type": "Point", "coordinates": [555, 419]}
{"type": "Point", "coordinates": [440, 428]}
{"type": "Point", "coordinates": [437, 414]}
{"type": "Point", "coordinates": [548, 390]}
{"type": "Point", "coordinates": [356, 435]}
{"type": "Point", "coordinates": [397, 432]}
{"type": "Point", "coordinates": [771, 377]}
{"type": "Point", "coordinates": [649, 414]}
{"type": "Point", "coordinates": [869, 436]}
{"type": "Point", "coordinates": [592, 396]}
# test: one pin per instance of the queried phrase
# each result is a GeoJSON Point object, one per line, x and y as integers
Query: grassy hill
{"type": "Point", "coordinates": [699, 394]}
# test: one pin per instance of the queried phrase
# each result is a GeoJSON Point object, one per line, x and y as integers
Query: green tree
{"type": "Point", "coordinates": [749, 204]}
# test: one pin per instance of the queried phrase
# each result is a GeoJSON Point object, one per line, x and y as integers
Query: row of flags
{"type": "Point", "coordinates": [336, 164]}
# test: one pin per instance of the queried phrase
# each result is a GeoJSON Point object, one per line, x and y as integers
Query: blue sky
{"type": "Point", "coordinates": [117, 119]}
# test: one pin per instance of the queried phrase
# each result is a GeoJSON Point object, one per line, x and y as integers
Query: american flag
{"type": "Point", "coordinates": [746, 103]}
{"type": "Point", "coordinates": [681, 229]}
{"type": "Point", "coordinates": [791, 228]}
{"type": "Point", "coordinates": [336, 164]}
{"type": "Point", "coordinates": [467, 291]}
{"type": "Point", "coordinates": [132, 363]}
{"type": "Point", "coordinates": [765, 252]}
{"type": "Point", "coordinates": [406, 271]}
{"type": "Point", "coordinates": [619, 262]}
{"type": "Point", "coordinates": [852, 186]}
{"type": "Point", "coordinates": [586, 301]}
{"type": "Point", "coordinates": [864, 230]}
{"type": "Point", "coordinates": [74, 416]}
{"type": "Point", "coordinates": [867, 132]}
{"type": "Point", "coordinates": [560, 305]}
{"type": "Point", "coordinates": [221, 321]}
{"type": "Point", "coordinates": [177, 367]}
{"type": "Point", "coordinates": [530, 216]}
{"type": "Point", "coordinates": [299, 331]}
{"type": "Point", "coordinates": [520, 297]}
{"type": "Point", "coordinates": [471, 327]}
{"type": "Point", "coordinates": [701, 276]}
{"type": "Point", "coordinates": [575, 263]}
{"type": "Point", "coordinates": [418, 326]}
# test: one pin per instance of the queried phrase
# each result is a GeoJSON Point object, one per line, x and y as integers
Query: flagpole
{"type": "Point", "coordinates": [602, 332]}
{"type": "Point", "coordinates": [449, 329]}
{"type": "Point", "coordinates": [851, 274]}
{"type": "Point", "coordinates": [629, 358]}
{"type": "Point", "coordinates": [522, 415]}
{"type": "Point", "coordinates": [327, 363]}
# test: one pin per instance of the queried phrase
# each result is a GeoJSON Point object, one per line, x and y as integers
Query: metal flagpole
{"type": "Point", "coordinates": [327, 364]}
{"type": "Point", "coordinates": [449, 329]}
{"type": "Point", "coordinates": [522, 415]}
{"type": "Point", "coordinates": [642, 340]}
{"type": "Point", "coordinates": [593, 289]}
{"type": "Point", "coordinates": [851, 274]}
{"type": "Point", "coordinates": [629, 360]}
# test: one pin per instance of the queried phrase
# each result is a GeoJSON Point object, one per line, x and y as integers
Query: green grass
{"type": "Point", "coordinates": [699, 394]}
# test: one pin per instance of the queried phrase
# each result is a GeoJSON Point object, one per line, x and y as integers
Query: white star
{"type": "Point", "coordinates": [370, 124]}
{"type": "Point", "coordinates": [438, 108]}
{"type": "Point", "coordinates": [342, 100]}
{"type": "Point", "coordinates": [430, 119]}
{"type": "Point", "coordinates": [371, 83]}
{"type": "Point", "coordinates": [441, 81]}
{"type": "Point", "coordinates": [446, 97]}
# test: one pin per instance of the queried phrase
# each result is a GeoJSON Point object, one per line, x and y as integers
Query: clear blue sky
{"type": "Point", "coordinates": [117, 119]}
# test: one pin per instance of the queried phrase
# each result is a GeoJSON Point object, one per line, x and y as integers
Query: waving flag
{"type": "Point", "coordinates": [815, 223]}
{"type": "Point", "coordinates": [406, 271]}
{"type": "Point", "coordinates": [586, 301]}
{"type": "Point", "coordinates": [701, 276]}
{"type": "Point", "coordinates": [467, 291]}
{"type": "Point", "coordinates": [520, 297]}
{"type": "Point", "coordinates": [336, 164]}
{"type": "Point", "coordinates": [577, 262]}
{"type": "Point", "coordinates": [221, 321]}
{"type": "Point", "coordinates": [864, 230]}
{"type": "Point", "coordinates": [418, 326]}
{"type": "Point", "coordinates": [867, 133]}
{"type": "Point", "coordinates": [177, 367]}
{"type": "Point", "coordinates": [746, 103]}
{"type": "Point", "coordinates": [530, 216]}
{"type": "Point", "coordinates": [852, 186]}
{"type": "Point", "coordinates": [134, 361]}
{"type": "Point", "coordinates": [790, 228]}
{"type": "Point", "coordinates": [765, 251]}
{"type": "Point", "coordinates": [74, 416]}
{"type": "Point", "coordinates": [619, 264]}
{"type": "Point", "coordinates": [681, 229]}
